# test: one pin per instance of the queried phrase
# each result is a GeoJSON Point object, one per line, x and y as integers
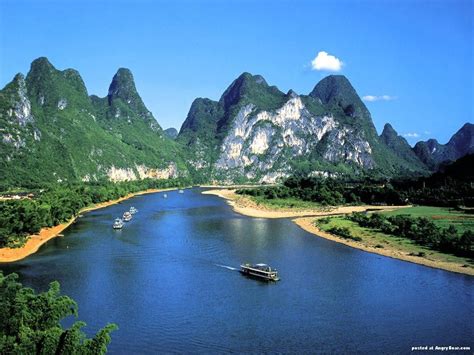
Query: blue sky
{"type": "Point", "coordinates": [419, 54]}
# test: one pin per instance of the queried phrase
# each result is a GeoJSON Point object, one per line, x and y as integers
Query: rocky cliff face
{"type": "Point", "coordinates": [257, 141]}
{"type": "Point", "coordinates": [51, 130]}
{"type": "Point", "coordinates": [255, 132]}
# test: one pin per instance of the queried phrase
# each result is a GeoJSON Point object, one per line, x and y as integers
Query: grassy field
{"type": "Point", "coordinates": [443, 217]}
{"type": "Point", "coordinates": [381, 240]}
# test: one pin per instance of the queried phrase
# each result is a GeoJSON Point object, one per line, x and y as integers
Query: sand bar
{"type": "Point", "coordinates": [245, 206]}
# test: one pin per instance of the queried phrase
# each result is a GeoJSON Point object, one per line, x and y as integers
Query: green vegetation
{"type": "Point", "coordinates": [51, 130]}
{"type": "Point", "coordinates": [343, 232]}
{"type": "Point", "coordinates": [420, 230]}
{"type": "Point", "coordinates": [284, 203]}
{"type": "Point", "coordinates": [452, 188]}
{"type": "Point", "coordinates": [440, 216]}
{"type": "Point", "coordinates": [380, 240]}
{"type": "Point", "coordinates": [30, 323]}
{"type": "Point", "coordinates": [324, 191]}
{"type": "Point", "coordinates": [59, 203]}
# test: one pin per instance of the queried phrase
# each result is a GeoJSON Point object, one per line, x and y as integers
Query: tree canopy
{"type": "Point", "coordinates": [30, 322]}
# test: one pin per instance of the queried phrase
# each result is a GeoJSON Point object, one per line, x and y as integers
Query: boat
{"type": "Point", "coordinates": [127, 216]}
{"type": "Point", "coordinates": [181, 191]}
{"type": "Point", "coordinates": [165, 195]}
{"type": "Point", "coordinates": [260, 271]}
{"type": "Point", "coordinates": [118, 224]}
{"type": "Point", "coordinates": [133, 210]}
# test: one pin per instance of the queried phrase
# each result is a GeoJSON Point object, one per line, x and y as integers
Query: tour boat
{"type": "Point", "coordinates": [133, 210]}
{"type": "Point", "coordinates": [260, 271]}
{"type": "Point", "coordinates": [127, 216]}
{"type": "Point", "coordinates": [118, 224]}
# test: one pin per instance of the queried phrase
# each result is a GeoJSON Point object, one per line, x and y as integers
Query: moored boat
{"type": "Point", "coordinates": [118, 224]}
{"type": "Point", "coordinates": [127, 216]}
{"type": "Point", "coordinates": [133, 210]}
{"type": "Point", "coordinates": [260, 271]}
{"type": "Point", "coordinates": [181, 191]}
{"type": "Point", "coordinates": [165, 195]}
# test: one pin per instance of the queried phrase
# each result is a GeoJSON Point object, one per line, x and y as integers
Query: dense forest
{"type": "Point", "coordinates": [30, 323]}
{"type": "Point", "coordinates": [59, 203]}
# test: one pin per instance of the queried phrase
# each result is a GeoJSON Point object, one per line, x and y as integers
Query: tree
{"type": "Point", "coordinates": [30, 322]}
{"type": "Point", "coordinates": [466, 242]}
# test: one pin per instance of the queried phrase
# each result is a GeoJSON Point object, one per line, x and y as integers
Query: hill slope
{"type": "Point", "coordinates": [52, 131]}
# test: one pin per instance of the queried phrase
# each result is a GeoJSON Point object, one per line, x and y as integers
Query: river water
{"type": "Point", "coordinates": [169, 280]}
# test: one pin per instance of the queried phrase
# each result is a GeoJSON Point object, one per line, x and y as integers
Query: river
{"type": "Point", "coordinates": [169, 280]}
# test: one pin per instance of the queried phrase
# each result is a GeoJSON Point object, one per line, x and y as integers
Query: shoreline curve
{"type": "Point", "coordinates": [304, 219]}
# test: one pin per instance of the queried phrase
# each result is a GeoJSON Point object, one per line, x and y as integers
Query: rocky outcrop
{"type": "Point", "coordinates": [22, 109]}
{"type": "Point", "coordinates": [141, 172]}
{"type": "Point", "coordinates": [257, 140]}
{"type": "Point", "coordinates": [19, 124]}
{"type": "Point", "coordinates": [349, 145]}
{"type": "Point", "coordinates": [144, 172]}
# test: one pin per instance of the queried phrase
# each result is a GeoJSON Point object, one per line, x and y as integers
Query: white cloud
{"type": "Point", "coordinates": [411, 135]}
{"type": "Point", "coordinates": [372, 98]}
{"type": "Point", "coordinates": [325, 61]}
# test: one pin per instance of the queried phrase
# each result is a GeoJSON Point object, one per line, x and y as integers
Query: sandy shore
{"type": "Point", "coordinates": [245, 206]}
{"type": "Point", "coordinates": [305, 219]}
{"type": "Point", "coordinates": [35, 241]}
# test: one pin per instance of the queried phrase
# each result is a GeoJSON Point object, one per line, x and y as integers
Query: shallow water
{"type": "Point", "coordinates": [169, 279]}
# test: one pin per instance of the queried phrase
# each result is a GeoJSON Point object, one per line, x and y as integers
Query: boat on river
{"type": "Point", "coordinates": [118, 224]}
{"type": "Point", "coordinates": [133, 210]}
{"type": "Point", "coordinates": [165, 195]}
{"type": "Point", "coordinates": [127, 216]}
{"type": "Point", "coordinates": [181, 191]}
{"type": "Point", "coordinates": [260, 271]}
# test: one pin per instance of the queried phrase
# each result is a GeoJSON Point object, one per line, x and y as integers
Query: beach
{"type": "Point", "coordinates": [305, 218]}
{"type": "Point", "coordinates": [245, 206]}
{"type": "Point", "coordinates": [35, 241]}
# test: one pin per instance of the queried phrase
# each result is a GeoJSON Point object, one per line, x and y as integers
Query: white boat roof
{"type": "Point", "coordinates": [261, 265]}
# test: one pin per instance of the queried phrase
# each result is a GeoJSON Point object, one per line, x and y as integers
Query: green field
{"type": "Point", "coordinates": [443, 217]}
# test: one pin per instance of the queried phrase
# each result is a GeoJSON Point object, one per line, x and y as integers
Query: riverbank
{"type": "Point", "coordinates": [244, 205]}
{"type": "Point", "coordinates": [391, 251]}
{"type": "Point", "coordinates": [305, 218]}
{"type": "Point", "coordinates": [35, 241]}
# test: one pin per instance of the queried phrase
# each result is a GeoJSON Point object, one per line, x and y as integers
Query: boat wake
{"type": "Point", "coordinates": [227, 267]}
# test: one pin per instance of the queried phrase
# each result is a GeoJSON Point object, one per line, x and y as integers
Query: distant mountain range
{"type": "Point", "coordinates": [52, 131]}
{"type": "Point", "coordinates": [434, 154]}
